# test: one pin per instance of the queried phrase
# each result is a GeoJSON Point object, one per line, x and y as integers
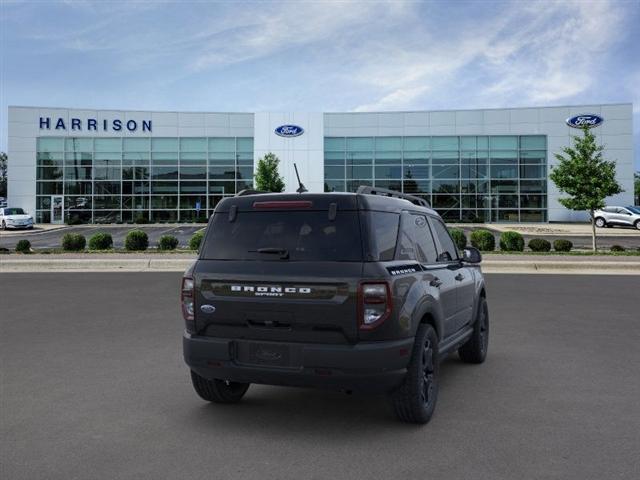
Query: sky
{"type": "Point", "coordinates": [318, 55]}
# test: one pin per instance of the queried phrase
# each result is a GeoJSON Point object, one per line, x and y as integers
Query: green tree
{"type": "Point", "coordinates": [636, 187]}
{"type": "Point", "coordinates": [3, 174]}
{"type": "Point", "coordinates": [585, 177]}
{"type": "Point", "coordinates": [267, 177]}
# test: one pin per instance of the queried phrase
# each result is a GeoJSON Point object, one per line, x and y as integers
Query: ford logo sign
{"type": "Point", "coordinates": [289, 131]}
{"type": "Point", "coordinates": [207, 308]}
{"type": "Point", "coordinates": [587, 120]}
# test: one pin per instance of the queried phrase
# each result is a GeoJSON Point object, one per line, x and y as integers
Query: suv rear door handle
{"type": "Point", "coordinates": [459, 277]}
{"type": "Point", "coordinates": [436, 282]}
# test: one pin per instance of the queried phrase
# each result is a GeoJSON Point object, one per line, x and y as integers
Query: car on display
{"type": "Point", "coordinates": [361, 291]}
{"type": "Point", "coordinates": [618, 216]}
{"type": "Point", "coordinates": [15, 218]}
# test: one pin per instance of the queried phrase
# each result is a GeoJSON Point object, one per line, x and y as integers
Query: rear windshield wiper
{"type": "Point", "coordinates": [283, 252]}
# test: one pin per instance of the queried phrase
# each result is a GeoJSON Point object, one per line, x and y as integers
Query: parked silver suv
{"type": "Point", "coordinates": [623, 216]}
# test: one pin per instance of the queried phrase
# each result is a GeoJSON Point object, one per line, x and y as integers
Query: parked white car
{"type": "Point", "coordinates": [15, 218]}
{"type": "Point", "coordinates": [622, 216]}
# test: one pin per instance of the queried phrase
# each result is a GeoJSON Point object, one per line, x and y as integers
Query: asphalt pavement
{"type": "Point", "coordinates": [94, 387]}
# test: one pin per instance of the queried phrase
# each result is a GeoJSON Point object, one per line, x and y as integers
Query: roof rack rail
{"type": "Point", "coordinates": [368, 190]}
{"type": "Point", "coordinates": [248, 191]}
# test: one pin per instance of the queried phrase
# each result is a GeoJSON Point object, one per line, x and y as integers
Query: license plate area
{"type": "Point", "coordinates": [267, 354]}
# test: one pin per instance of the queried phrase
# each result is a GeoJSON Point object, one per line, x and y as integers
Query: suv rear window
{"type": "Point", "coordinates": [304, 236]}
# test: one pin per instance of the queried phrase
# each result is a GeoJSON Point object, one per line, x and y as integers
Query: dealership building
{"type": "Point", "coordinates": [107, 166]}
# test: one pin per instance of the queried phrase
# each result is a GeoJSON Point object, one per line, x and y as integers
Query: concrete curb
{"type": "Point", "coordinates": [26, 265]}
{"type": "Point", "coordinates": [95, 265]}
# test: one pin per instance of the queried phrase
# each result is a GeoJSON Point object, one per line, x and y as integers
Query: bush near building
{"type": "Point", "coordinates": [141, 220]}
{"type": "Point", "coordinates": [617, 248]}
{"type": "Point", "coordinates": [562, 245]}
{"type": "Point", "coordinates": [539, 245]}
{"type": "Point", "coordinates": [459, 237]}
{"type": "Point", "coordinates": [136, 240]}
{"type": "Point", "coordinates": [73, 242]}
{"type": "Point", "coordinates": [483, 240]}
{"type": "Point", "coordinates": [101, 241]}
{"type": "Point", "coordinates": [167, 242]}
{"type": "Point", "coordinates": [196, 240]}
{"type": "Point", "coordinates": [23, 246]}
{"type": "Point", "coordinates": [511, 242]}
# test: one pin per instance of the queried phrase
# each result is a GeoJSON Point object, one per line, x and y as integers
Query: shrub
{"type": "Point", "coordinates": [23, 246]}
{"type": "Point", "coordinates": [539, 245]}
{"type": "Point", "coordinates": [136, 240]}
{"type": "Point", "coordinates": [167, 242]}
{"type": "Point", "coordinates": [73, 242]}
{"type": "Point", "coordinates": [511, 242]}
{"type": "Point", "coordinates": [141, 220]}
{"type": "Point", "coordinates": [459, 237]}
{"type": "Point", "coordinates": [202, 219]}
{"type": "Point", "coordinates": [617, 248]}
{"type": "Point", "coordinates": [483, 240]}
{"type": "Point", "coordinates": [196, 240]}
{"type": "Point", "coordinates": [562, 245]}
{"type": "Point", "coordinates": [101, 241]}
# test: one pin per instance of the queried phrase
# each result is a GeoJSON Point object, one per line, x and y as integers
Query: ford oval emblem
{"type": "Point", "coordinates": [586, 120]}
{"type": "Point", "coordinates": [207, 308]}
{"type": "Point", "coordinates": [289, 131]}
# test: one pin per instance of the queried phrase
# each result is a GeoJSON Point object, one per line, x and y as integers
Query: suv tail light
{"type": "Point", "coordinates": [374, 304]}
{"type": "Point", "coordinates": [186, 299]}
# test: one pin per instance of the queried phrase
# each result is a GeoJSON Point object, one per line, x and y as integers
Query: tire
{"type": "Point", "coordinates": [600, 222]}
{"type": "Point", "coordinates": [475, 350]}
{"type": "Point", "coordinates": [415, 400]}
{"type": "Point", "coordinates": [4, 225]}
{"type": "Point", "coordinates": [637, 224]}
{"type": "Point", "coordinates": [218, 391]}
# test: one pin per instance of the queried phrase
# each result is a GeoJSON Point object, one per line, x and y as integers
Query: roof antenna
{"type": "Point", "coordinates": [301, 188]}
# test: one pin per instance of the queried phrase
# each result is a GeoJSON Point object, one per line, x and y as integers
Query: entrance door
{"type": "Point", "coordinates": [57, 209]}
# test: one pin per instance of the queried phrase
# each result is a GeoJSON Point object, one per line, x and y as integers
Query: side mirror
{"type": "Point", "coordinates": [471, 255]}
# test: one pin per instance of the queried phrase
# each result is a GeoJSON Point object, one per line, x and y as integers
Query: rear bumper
{"type": "Point", "coordinates": [370, 366]}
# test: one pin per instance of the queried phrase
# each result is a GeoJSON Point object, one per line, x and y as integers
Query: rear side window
{"type": "Point", "coordinates": [383, 234]}
{"type": "Point", "coordinates": [448, 251]}
{"type": "Point", "coordinates": [304, 236]}
{"type": "Point", "coordinates": [416, 241]}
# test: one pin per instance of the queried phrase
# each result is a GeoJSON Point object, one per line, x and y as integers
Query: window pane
{"type": "Point", "coordinates": [138, 144]}
{"type": "Point", "coordinates": [504, 157]}
{"type": "Point", "coordinates": [164, 144]}
{"type": "Point", "coordinates": [533, 142]}
{"type": "Point", "coordinates": [448, 250]}
{"type": "Point", "coordinates": [384, 232]}
{"type": "Point", "coordinates": [534, 156]}
{"type": "Point", "coordinates": [222, 145]}
{"type": "Point", "coordinates": [108, 145]}
{"type": "Point", "coordinates": [444, 143]}
{"type": "Point", "coordinates": [49, 188]}
{"type": "Point", "coordinates": [388, 143]}
{"type": "Point", "coordinates": [106, 188]}
{"type": "Point", "coordinates": [532, 171]}
{"type": "Point", "coordinates": [245, 173]}
{"type": "Point", "coordinates": [359, 143]}
{"type": "Point", "coordinates": [359, 158]}
{"type": "Point", "coordinates": [193, 145]}
{"type": "Point", "coordinates": [222, 187]}
{"type": "Point", "coordinates": [504, 142]}
{"type": "Point", "coordinates": [451, 171]}
{"type": "Point", "coordinates": [193, 187]}
{"type": "Point", "coordinates": [359, 172]}
{"type": "Point", "coordinates": [193, 173]}
{"type": "Point", "coordinates": [387, 172]}
{"type": "Point", "coordinates": [468, 143]}
{"type": "Point", "coordinates": [334, 144]}
{"type": "Point", "coordinates": [77, 188]}
{"type": "Point", "coordinates": [417, 143]}
{"type": "Point", "coordinates": [162, 173]}
{"type": "Point", "coordinates": [245, 145]}
{"type": "Point", "coordinates": [49, 173]}
{"type": "Point", "coordinates": [445, 158]}
{"type": "Point", "coordinates": [504, 171]}
{"type": "Point", "coordinates": [388, 158]}
{"type": "Point", "coordinates": [412, 171]}
{"type": "Point", "coordinates": [416, 187]}
{"type": "Point", "coordinates": [445, 186]}
{"type": "Point", "coordinates": [334, 172]}
{"type": "Point", "coordinates": [78, 144]}
{"type": "Point", "coordinates": [50, 144]}
{"type": "Point", "coordinates": [425, 246]}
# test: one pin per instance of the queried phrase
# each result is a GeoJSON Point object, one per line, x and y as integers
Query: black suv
{"type": "Point", "coordinates": [357, 291]}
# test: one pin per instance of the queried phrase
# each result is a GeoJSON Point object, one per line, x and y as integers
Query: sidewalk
{"type": "Point", "coordinates": [178, 262]}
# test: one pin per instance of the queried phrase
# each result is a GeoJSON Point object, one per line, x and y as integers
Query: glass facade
{"type": "Point", "coordinates": [498, 178]}
{"type": "Point", "coordinates": [109, 180]}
